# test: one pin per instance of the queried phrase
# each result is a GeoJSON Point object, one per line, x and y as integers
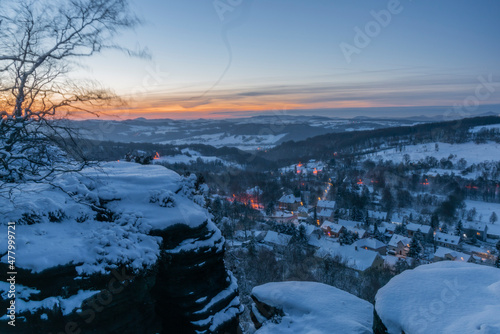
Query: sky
{"type": "Point", "coordinates": [233, 58]}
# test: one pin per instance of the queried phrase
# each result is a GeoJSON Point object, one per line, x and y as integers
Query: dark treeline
{"type": "Point", "coordinates": [352, 143]}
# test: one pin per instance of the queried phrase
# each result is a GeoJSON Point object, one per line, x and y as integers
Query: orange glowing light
{"type": "Point", "coordinates": [157, 156]}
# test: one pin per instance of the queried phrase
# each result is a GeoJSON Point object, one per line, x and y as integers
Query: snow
{"type": "Point", "coordinates": [189, 157]}
{"type": "Point", "coordinates": [248, 142]}
{"type": "Point", "coordinates": [477, 129]}
{"type": "Point", "coordinates": [370, 243]}
{"type": "Point", "coordinates": [141, 198]}
{"type": "Point", "coordinates": [314, 308]}
{"type": "Point", "coordinates": [23, 304]}
{"type": "Point", "coordinates": [355, 258]}
{"type": "Point", "coordinates": [447, 238]}
{"type": "Point", "coordinates": [484, 211]}
{"type": "Point", "coordinates": [416, 227]}
{"type": "Point", "coordinates": [471, 152]}
{"type": "Point", "coordinates": [396, 238]}
{"type": "Point", "coordinates": [309, 229]}
{"type": "Point", "coordinates": [326, 204]}
{"type": "Point", "coordinates": [325, 213]}
{"type": "Point", "coordinates": [289, 199]}
{"type": "Point", "coordinates": [441, 252]}
{"type": "Point", "coordinates": [228, 313]}
{"type": "Point", "coordinates": [443, 297]}
{"type": "Point", "coordinates": [280, 239]}
{"type": "Point", "coordinates": [333, 227]}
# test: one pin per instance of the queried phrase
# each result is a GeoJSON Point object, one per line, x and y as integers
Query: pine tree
{"type": "Point", "coordinates": [497, 262]}
{"type": "Point", "coordinates": [459, 228]}
{"type": "Point", "coordinates": [415, 248]}
{"type": "Point", "coordinates": [444, 228]}
{"type": "Point", "coordinates": [401, 265]}
{"type": "Point", "coordinates": [434, 221]}
{"type": "Point", "coordinates": [493, 218]}
{"type": "Point", "coordinates": [302, 235]}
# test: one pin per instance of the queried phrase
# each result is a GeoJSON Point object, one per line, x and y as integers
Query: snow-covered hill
{"type": "Point", "coordinates": [246, 133]}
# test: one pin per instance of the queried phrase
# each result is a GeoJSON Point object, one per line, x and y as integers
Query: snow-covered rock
{"type": "Point", "coordinates": [309, 308]}
{"type": "Point", "coordinates": [140, 230]}
{"type": "Point", "coordinates": [443, 297]}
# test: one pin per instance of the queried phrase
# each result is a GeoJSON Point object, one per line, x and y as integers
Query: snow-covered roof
{"type": "Point", "coordinates": [415, 227]}
{"type": "Point", "coordinates": [356, 258]}
{"type": "Point", "coordinates": [457, 256]}
{"type": "Point", "coordinates": [333, 227]}
{"type": "Point", "coordinates": [302, 209]}
{"type": "Point", "coordinates": [325, 213]}
{"type": "Point", "coordinates": [476, 226]}
{"type": "Point", "coordinates": [311, 307]}
{"type": "Point", "coordinates": [309, 228]}
{"type": "Point", "coordinates": [447, 238]}
{"type": "Point", "coordinates": [396, 238]}
{"type": "Point", "coordinates": [289, 199]}
{"type": "Point", "coordinates": [442, 297]}
{"type": "Point", "coordinates": [350, 223]}
{"type": "Point", "coordinates": [276, 238]}
{"type": "Point", "coordinates": [385, 227]}
{"type": "Point", "coordinates": [370, 243]}
{"type": "Point", "coordinates": [494, 229]}
{"type": "Point", "coordinates": [359, 231]}
{"type": "Point", "coordinates": [326, 204]}
{"type": "Point", "coordinates": [281, 214]}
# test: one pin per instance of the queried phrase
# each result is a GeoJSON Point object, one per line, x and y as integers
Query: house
{"type": "Point", "coordinates": [354, 227]}
{"type": "Point", "coordinates": [480, 252]}
{"type": "Point", "coordinates": [361, 233]}
{"type": "Point", "coordinates": [426, 230]}
{"type": "Point", "coordinates": [387, 229]}
{"type": "Point", "coordinates": [332, 229]}
{"type": "Point", "coordinates": [493, 231]}
{"type": "Point", "coordinates": [289, 203]}
{"type": "Point", "coordinates": [443, 253]}
{"type": "Point", "coordinates": [350, 223]}
{"type": "Point", "coordinates": [475, 229]}
{"type": "Point", "coordinates": [277, 239]}
{"type": "Point", "coordinates": [325, 205]}
{"type": "Point", "coordinates": [354, 257]}
{"type": "Point", "coordinates": [302, 214]}
{"type": "Point", "coordinates": [325, 214]}
{"type": "Point", "coordinates": [398, 245]}
{"type": "Point", "coordinates": [311, 230]}
{"type": "Point", "coordinates": [372, 244]}
{"type": "Point", "coordinates": [447, 240]}
{"type": "Point", "coordinates": [282, 217]}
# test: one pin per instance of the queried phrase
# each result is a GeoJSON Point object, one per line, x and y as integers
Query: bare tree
{"type": "Point", "coordinates": [40, 42]}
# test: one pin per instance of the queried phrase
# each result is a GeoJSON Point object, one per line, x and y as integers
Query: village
{"type": "Point", "coordinates": [373, 239]}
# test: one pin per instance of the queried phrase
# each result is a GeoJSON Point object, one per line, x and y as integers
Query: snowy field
{"type": "Point", "coordinates": [249, 142]}
{"type": "Point", "coordinates": [485, 127]}
{"type": "Point", "coordinates": [472, 153]}
{"type": "Point", "coordinates": [190, 156]}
